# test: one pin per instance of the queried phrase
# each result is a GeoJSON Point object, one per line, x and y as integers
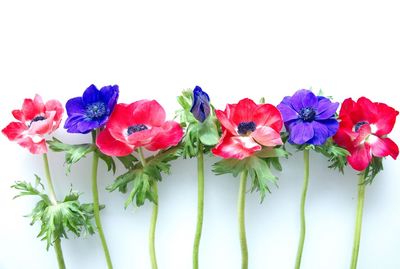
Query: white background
{"type": "Point", "coordinates": [232, 50]}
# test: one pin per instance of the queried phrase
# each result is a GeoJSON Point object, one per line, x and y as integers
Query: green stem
{"type": "Point", "coordinates": [200, 206]}
{"type": "Point", "coordinates": [241, 215]}
{"type": "Point", "coordinates": [153, 221]}
{"type": "Point", "coordinates": [359, 214]}
{"type": "Point", "coordinates": [302, 208]}
{"type": "Point", "coordinates": [53, 199]}
{"type": "Point", "coordinates": [96, 207]}
{"type": "Point", "coordinates": [152, 233]}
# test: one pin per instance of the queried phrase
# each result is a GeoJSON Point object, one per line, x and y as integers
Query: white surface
{"type": "Point", "coordinates": [233, 50]}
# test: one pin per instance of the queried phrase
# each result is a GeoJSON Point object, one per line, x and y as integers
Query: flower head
{"type": "Point", "coordinates": [35, 120]}
{"type": "Point", "coordinates": [363, 131]}
{"type": "Point", "coordinates": [201, 104]}
{"type": "Point", "coordinates": [140, 124]}
{"type": "Point", "coordinates": [246, 128]}
{"type": "Point", "coordinates": [92, 110]}
{"type": "Point", "coordinates": [309, 119]}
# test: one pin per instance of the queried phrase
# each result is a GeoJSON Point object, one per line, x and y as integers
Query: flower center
{"type": "Point", "coordinates": [96, 110]}
{"type": "Point", "coordinates": [246, 127]}
{"type": "Point", "coordinates": [136, 128]}
{"type": "Point", "coordinates": [307, 114]}
{"type": "Point", "coordinates": [35, 119]}
{"type": "Point", "coordinates": [359, 125]}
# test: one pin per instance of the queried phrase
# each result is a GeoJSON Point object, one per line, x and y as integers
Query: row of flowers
{"type": "Point", "coordinates": [249, 137]}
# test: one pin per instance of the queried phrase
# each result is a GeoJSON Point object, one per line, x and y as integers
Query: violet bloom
{"type": "Point", "coordinates": [309, 119]}
{"type": "Point", "coordinates": [201, 104]}
{"type": "Point", "coordinates": [92, 110]}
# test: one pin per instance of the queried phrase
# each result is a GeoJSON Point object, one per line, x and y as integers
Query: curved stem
{"type": "Point", "coordinates": [96, 207]}
{"type": "Point", "coordinates": [302, 208]}
{"type": "Point", "coordinates": [359, 214]}
{"type": "Point", "coordinates": [241, 216]}
{"type": "Point", "coordinates": [200, 206]}
{"type": "Point", "coordinates": [152, 234]}
{"type": "Point", "coordinates": [53, 199]}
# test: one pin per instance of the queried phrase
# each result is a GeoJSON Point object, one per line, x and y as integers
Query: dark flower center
{"type": "Point", "coordinates": [136, 128]}
{"type": "Point", "coordinates": [307, 114]}
{"type": "Point", "coordinates": [35, 119]}
{"type": "Point", "coordinates": [246, 127]}
{"type": "Point", "coordinates": [359, 124]}
{"type": "Point", "coordinates": [96, 110]}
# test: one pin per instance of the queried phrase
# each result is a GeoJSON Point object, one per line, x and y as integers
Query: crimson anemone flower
{"type": "Point", "coordinates": [246, 128]}
{"type": "Point", "coordinates": [363, 131]}
{"type": "Point", "coordinates": [35, 120]}
{"type": "Point", "coordinates": [140, 124]}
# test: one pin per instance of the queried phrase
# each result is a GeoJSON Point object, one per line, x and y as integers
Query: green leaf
{"type": "Point", "coordinates": [268, 152]}
{"type": "Point", "coordinates": [73, 153]}
{"type": "Point", "coordinates": [108, 160]}
{"type": "Point", "coordinates": [208, 132]}
{"type": "Point", "coordinates": [128, 161]}
{"type": "Point", "coordinates": [336, 155]}
{"type": "Point", "coordinates": [58, 219]}
{"type": "Point", "coordinates": [373, 170]}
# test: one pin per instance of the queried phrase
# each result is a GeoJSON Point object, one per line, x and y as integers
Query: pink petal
{"type": "Point", "coordinates": [54, 105]}
{"type": "Point", "coordinates": [226, 122]}
{"type": "Point", "coordinates": [236, 147]}
{"type": "Point", "coordinates": [170, 134]}
{"type": "Point", "coordinates": [148, 113]}
{"type": "Point", "coordinates": [267, 136]}
{"type": "Point", "coordinates": [383, 147]}
{"type": "Point", "coordinates": [111, 146]}
{"type": "Point", "coordinates": [34, 148]}
{"type": "Point", "coordinates": [268, 115]}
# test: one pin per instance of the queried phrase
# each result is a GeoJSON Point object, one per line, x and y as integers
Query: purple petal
{"type": "Point", "coordinates": [326, 109]}
{"type": "Point", "coordinates": [331, 124]}
{"type": "Point", "coordinates": [72, 122]}
{"type": "Point", "coordinates": [75, 106]}
{"type": "Point", "coordinates": [85, 126]}
{"type": "Point", "coordinates": [321, 134]}
{"type": "Point", "coordinates": [110, 95]}
{"type": "Point", "coordinates": [288, 113]}
{"type": "Point", "coordinates": [91, 95]}
{"type": "Point", "coordinates": [303, 99]}
{"type": "Point", "coordinates": [300, 132]}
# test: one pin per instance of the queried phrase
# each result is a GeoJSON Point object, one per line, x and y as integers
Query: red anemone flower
{"type": "Point", "coordinates": [35, 120]}
{"type": "Point", "coordinates": [363, 131]}
{"type": "Point", "coordinates": [140, 124]}
{"type": "Point", "coordinates": [246, 128]}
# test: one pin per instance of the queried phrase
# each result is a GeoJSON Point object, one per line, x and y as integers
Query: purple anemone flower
{"type": "Point", "coordinates": [92, 110]}
{"type": "Point", "coordinates": [309, 119]}
{"type": "Point", "coordinates": [201, 104]}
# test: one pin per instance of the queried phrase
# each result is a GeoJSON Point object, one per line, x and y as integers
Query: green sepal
{"type": "Point", "coordinates": [57, 220]}
{"type": "Point", "coordinates": [73, 153]}
{"type": "Point", "coordinates": [143, 178]}
{"type": "Point", "coordinates": [373, 169]}
{"type": "Point", "coordinates": [208, 131]}
{"type": "Point", "coordinates": [259, 168]}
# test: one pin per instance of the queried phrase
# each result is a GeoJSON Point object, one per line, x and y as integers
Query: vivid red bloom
{"type": "Point", "coordinates": [363, 131]}
{"type": "Point", "coordinates": [140, 124]}
{"type": "Point", "coordinates": [35, 120]}
{"type": "Point", "coordinates": [246, 128]}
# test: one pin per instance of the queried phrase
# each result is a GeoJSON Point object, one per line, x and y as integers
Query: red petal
{"type": "Point", "coordinates": [236, 147]}
{"type": "Point", "coordinates": [268, 115]}
{"type": "Point", "coordinates": [120, 120]}
{"type": "Point", "coordinates": [112, 147]}
{"type": "Point", "coordinates": [14, 130]}
{"type": "Point", "coordinates": [18, 115]}
{"type": "Point", "coordinates": [142, 138]}
{"type": "Point", "coordinates": [343, 139]}
{"type": "Point", "coordinates": [383, 147]}
{"type": "Point", "coordinates": [360, 157]}
{"type": "Point", "coordinates": [226, 122]}
{"type": "Point", "coordinates": [148, 113]}
{"type": "Point", "coordinates": [244, 111]}
{"type": "Point", "coordinates": [367, 109]}
{"type": "Point", "coordinates": [363, 133]}
{"type": "Point", "coordinates": [386, 119]}
{"type": "Point", "coordinates": [170, 134]}
{"type": "Point", "coordinates": [346, 108]}
{"type": "Point", "coordinates": [34, 148]}
{"type": "Point", "coordinates": [267, 136]}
